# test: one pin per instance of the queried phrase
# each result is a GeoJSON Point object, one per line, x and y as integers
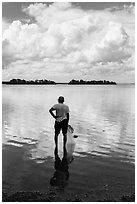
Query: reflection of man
{"type": "Point", "coordinates": [61, 174]}
{"type": "Point", "coordinates": [61, 119]}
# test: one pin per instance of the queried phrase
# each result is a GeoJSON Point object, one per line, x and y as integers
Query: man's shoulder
{"type": "Point", "coordinates": [55, 105]}
{"type": "Point", "coordinates": [65, 105]}
{"type": "Point", "coordinates": [59, 105]}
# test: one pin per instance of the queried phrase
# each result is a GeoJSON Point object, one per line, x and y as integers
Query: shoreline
{"type": "Point", "coordinates": [104, 180]}
{"type": "Point", "coordinates": [56, 196]}
{"type": "Point", "coordinates": [105, 185]}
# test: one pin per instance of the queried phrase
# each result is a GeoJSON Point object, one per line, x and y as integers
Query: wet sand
{"type": "Point", "coordinates": [53, 196]}
{"type": "Point", "coordinates": [91, 178]}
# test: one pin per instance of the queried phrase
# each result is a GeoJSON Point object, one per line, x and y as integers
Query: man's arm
{"type": "Point", "coordinates": [51, 112]}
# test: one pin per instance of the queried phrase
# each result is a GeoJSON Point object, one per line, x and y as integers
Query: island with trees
{"type": "Point", "coordinates": [93, 82]}
{"type": "Point", "coordinates": [30, 82]}
{"type": "Point", "coordinates": [49, 82]}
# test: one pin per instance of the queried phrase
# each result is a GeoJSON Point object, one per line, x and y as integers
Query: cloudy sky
{"type": "Point", "coordinates": [62, 41]}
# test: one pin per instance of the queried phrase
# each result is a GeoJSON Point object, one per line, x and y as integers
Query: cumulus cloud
{"type": "Point", "coordinates": [67, 39]}
{"type": "Point", "coordinates": [5, 25]}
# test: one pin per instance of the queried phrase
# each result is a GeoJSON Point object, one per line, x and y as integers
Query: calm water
{"type": "Point", "coordinates": [103, 118]}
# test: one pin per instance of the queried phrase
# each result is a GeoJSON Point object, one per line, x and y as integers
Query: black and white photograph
{"type": "Point", "coordinates": [68, 101]}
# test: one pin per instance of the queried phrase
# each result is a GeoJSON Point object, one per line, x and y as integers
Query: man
{"type": "Point", "coordinates": [61, 119]}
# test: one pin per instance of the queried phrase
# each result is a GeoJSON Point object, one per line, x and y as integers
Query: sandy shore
{"type": "Point", "coordinates": [55, 196]}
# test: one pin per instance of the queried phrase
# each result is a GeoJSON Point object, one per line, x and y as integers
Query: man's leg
{"type": "Point", "coordinates": [65, 139]}
{"type": "Point", "coordinates": [57, 131]}
{"type": "Point", "coordinates": [56, 140]}
{"type": "Point", "coordinates": [64, 131]}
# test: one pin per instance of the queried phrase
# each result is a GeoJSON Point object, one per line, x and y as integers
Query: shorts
{"type": "Point", "coordinates": [63, 125]}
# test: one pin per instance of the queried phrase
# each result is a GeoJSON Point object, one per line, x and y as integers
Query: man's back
{"type": "Point", "coordinates": [61, 111]}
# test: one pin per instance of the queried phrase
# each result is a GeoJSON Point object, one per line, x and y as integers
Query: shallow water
{"type": "Point", "coordinates": [103, 117]}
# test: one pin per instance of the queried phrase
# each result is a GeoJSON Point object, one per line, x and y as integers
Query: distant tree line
{"type": "Point", "coordinates": [45, 81]}
{"type": "Point", "coordinates": [23, 81]}
{"type": "Point", "coordinates": [73, 81]}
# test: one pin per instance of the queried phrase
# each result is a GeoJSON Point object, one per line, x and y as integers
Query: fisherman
{"type": "Point", "coordinates": [61, 116]}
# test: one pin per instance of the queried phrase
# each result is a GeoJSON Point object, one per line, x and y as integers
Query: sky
{"type": "Point", "coordinates": [64, 41]}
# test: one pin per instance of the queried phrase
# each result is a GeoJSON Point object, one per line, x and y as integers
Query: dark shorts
{"type": "Point", "coordinates": [63, 125]}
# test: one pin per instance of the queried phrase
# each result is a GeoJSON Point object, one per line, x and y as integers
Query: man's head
{"type": "Point", "coordinates": [61, 99]}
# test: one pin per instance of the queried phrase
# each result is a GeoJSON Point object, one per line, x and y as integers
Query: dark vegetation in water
{"type": "Point", "coordinates": [45, 81]}
{"type": "Point", "coordinates": [55, 196]}
{"type": "Point", "coordinates": [73, 81]}
{"type": "Point", "coordinates": [23, 81]}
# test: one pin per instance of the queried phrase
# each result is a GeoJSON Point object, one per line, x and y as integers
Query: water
{"type": "Point", "coordinates": [103, 118]}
